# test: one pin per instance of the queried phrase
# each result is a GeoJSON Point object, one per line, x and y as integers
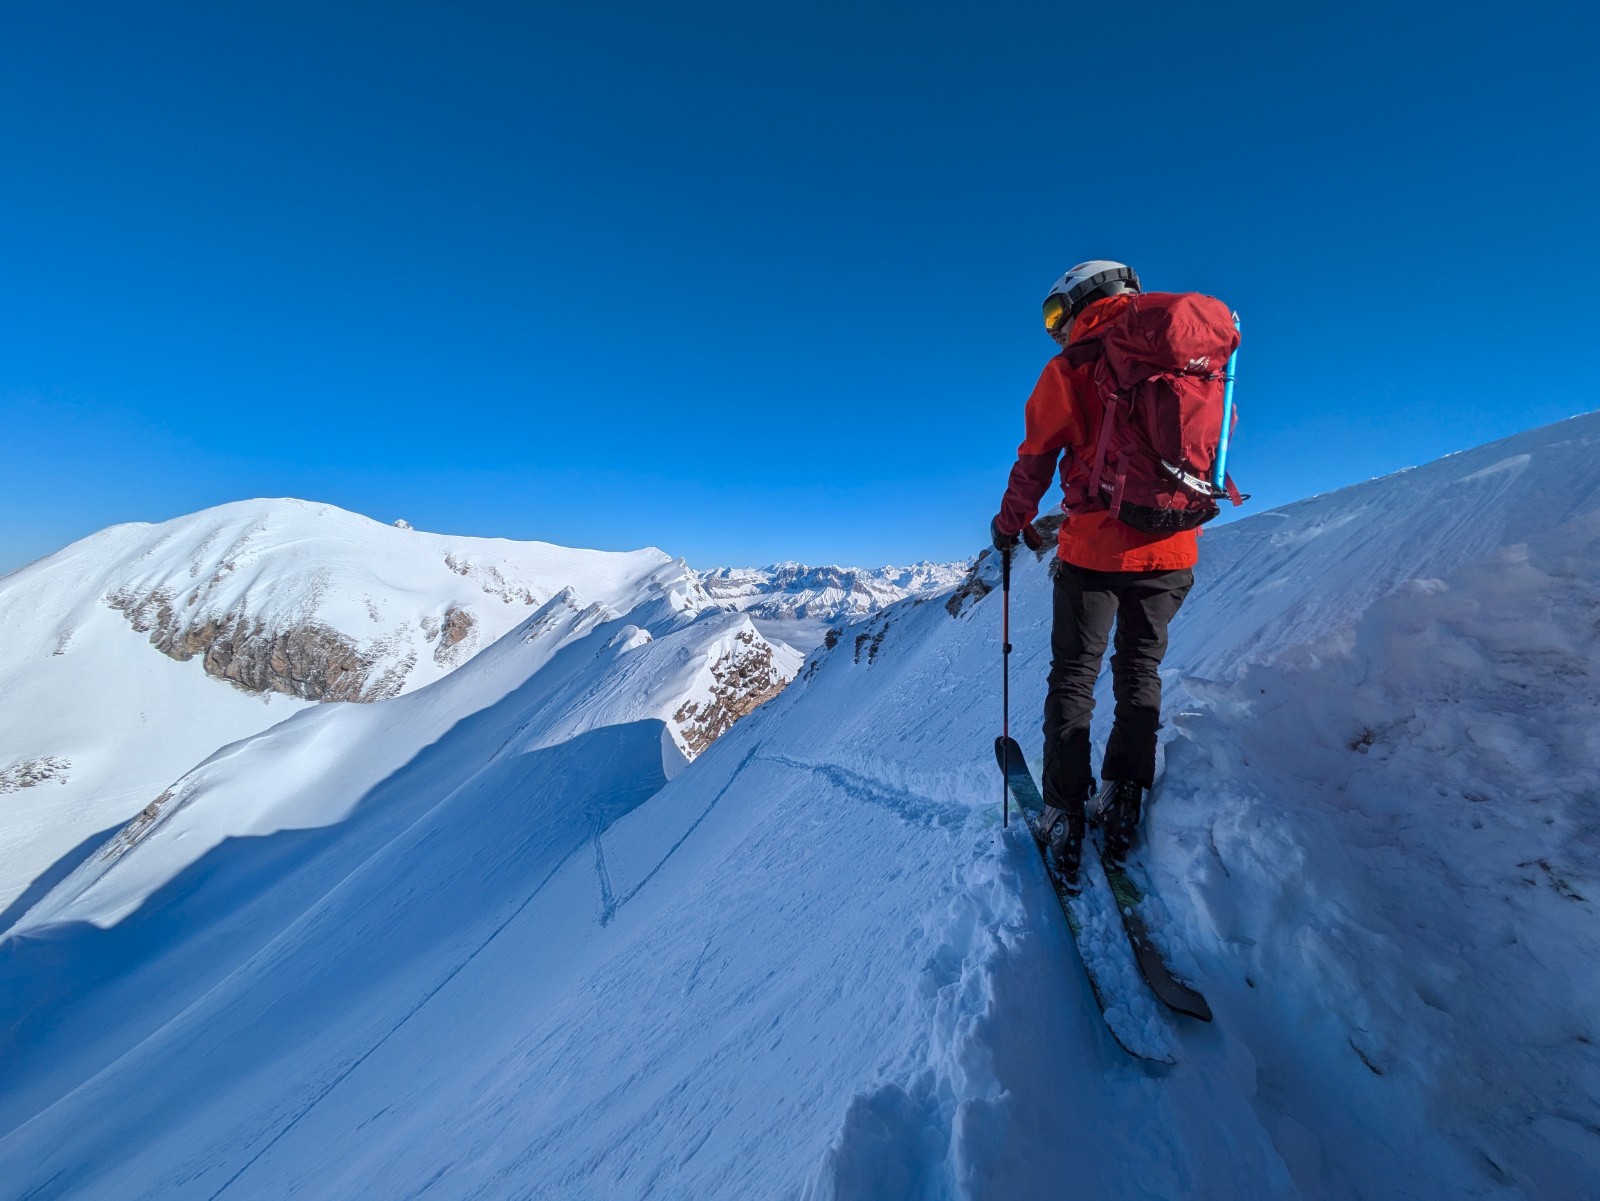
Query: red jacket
{"type": "Point", "coordinates": [1091, 539]}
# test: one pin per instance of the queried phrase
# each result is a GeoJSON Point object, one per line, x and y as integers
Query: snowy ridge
{"type": "Point", "coordinates": [136, 653]}
{"type": "Point", "coordinates": [573, 668]}
{"type": "Point", "coordinates": [475, 941]}
{"type": "Point", "coordinates": [402, 605]}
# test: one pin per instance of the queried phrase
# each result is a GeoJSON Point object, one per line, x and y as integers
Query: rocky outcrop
{"type": "Point", "coordinates": [309, 660]}
{"type": "Point", "coordinates": [745, 679]}
{"type": "Point", "coordinates": [458, 637]}
{"type": "Point", "coordinates": [32, 772]}
{"type": "Point", "coordinates": [975, 586]}
{"type": "Point", "coordinates": [492, 580]}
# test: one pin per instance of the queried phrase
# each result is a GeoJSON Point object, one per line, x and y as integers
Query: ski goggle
{"type": "Point", "coordinates": [1056, 312]}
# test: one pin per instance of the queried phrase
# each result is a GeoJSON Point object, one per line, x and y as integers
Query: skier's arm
{"type": "Point", "coordinates": [1048, 431]}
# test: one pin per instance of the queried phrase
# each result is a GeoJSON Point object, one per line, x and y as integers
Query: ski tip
{"type": "Point", "coordinates": [1007, 752]}
{"type": "Point", "coordinates": [1177, 996]}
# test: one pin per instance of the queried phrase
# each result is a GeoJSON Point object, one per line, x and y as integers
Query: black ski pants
{"type": "Point", "coordinates": [1141, 603]}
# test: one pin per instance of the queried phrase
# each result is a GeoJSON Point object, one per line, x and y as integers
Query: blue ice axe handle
{"type": "Point", "coordinates": [1220, 475]}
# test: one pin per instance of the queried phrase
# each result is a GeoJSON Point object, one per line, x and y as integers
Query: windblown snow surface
{"type": "Point", "coordinates": [490, 939]}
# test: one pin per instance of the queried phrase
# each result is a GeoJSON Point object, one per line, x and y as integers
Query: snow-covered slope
{"type": "Point", "coordinates": [798, 604]}
{"type": "Point", "coordinates": [474, 942]}
{"type": "Point", "coordinates": [137, 652]}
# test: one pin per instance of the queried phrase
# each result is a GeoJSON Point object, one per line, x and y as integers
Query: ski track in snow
{"type": "Point", "coordinates": [705, 813]}
{"type": "Point", "coordinates": [519, 961]}
{"type": "Point", "coordinates": [909, 807]}
{"type": "Point", "coordinates": [344, 1074]}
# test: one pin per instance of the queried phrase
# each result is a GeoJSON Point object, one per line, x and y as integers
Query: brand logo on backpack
{"type": "Point", "coordinates": [1159, 437]}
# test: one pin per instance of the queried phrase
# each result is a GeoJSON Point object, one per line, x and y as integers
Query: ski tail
{"type": "Point", "coordinates": [1018, 778]}
{"type": "Point", "coordinates": [1164, 983]}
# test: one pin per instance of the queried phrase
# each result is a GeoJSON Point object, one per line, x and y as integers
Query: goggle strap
{"type": "Point", "coordinates": [1073, 298]}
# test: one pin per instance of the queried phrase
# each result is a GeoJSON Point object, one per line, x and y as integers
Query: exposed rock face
{"type": "Point", "coordinates": [746, 678]}
{"type": "Point", "coordinates": [32, 772]}
{"type": "Point", "coordinates": [310, 660]}
{"type": "Point", "coordinates": [974, 587]}
{"type": "Point", "coordinates": [458, 637]}
{"type": "Point", "coordinates": [491, 579]}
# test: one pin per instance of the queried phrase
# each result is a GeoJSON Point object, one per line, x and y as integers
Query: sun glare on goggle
{"type": "Point", "coordinates": [1055, 312]}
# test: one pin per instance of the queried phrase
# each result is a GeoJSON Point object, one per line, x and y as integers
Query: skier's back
{"type": "Point", "coordinates": [1107, 574]}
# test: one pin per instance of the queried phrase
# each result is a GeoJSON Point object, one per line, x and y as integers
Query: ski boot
{"type": "Point", "coordinates": [1116, 815]}
{"type": "Point", "coordinates": [1060, 832]}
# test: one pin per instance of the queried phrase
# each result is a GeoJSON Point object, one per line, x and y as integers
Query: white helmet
{"type": "Point", "coordinates": [1085, 282]}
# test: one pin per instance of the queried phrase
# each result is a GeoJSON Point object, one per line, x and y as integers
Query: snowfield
{"type": "Point", "coordinates": [497, 937]}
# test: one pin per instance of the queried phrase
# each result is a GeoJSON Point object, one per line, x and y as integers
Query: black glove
{"type": "Point", "coordinates": [1030, 536]}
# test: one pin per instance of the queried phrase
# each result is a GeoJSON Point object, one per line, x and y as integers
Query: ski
{"type": "Point", "coordinates": [1131, 1021]}
{"type": "Point", "coordinates": [1158, 974]}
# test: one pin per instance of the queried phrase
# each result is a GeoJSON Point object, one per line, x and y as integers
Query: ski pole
{"type": "Point", "coordinates": [1220, 475]}
{"type": "Point", "coordinates": [1005, 678]}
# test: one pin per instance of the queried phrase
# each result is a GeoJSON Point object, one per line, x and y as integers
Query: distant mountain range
{"type": "Point", "coordinates": [794, 590]}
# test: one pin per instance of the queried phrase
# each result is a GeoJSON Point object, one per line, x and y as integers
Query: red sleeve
{"type": "Point", "coordinates": [1051, 424]}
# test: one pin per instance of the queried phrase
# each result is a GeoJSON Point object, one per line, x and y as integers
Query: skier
{"type": "Point", "coordinates": [1105, 572]}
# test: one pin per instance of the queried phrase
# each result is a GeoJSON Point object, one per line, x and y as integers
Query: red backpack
{"type": "Point", "coordinates": [1156, 413]}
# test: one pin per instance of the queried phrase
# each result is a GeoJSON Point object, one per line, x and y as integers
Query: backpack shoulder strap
{"type": "Point", "coordinates": [1109, 416]}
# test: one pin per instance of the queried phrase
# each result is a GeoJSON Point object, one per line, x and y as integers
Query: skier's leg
{"type": "Point", "coordinates": [1082, 622]}
{"type": "Point", "coordinates": [1146, 603]}
{"type": "Point", "coordinates": [1083, 612]}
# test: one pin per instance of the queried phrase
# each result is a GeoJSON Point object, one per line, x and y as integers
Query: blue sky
{"type": "Point", "coordinates": [753, 282]}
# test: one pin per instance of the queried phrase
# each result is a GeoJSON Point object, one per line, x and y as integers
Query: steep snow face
{"type": "Point", "coordinates": [487, 948]}
{"type": "Point", "coordinates": [1394, 872]}
{"type": "Point", "coordinates": [798, 603]}
{"type": "Point", "coordinates": [137, 652]}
